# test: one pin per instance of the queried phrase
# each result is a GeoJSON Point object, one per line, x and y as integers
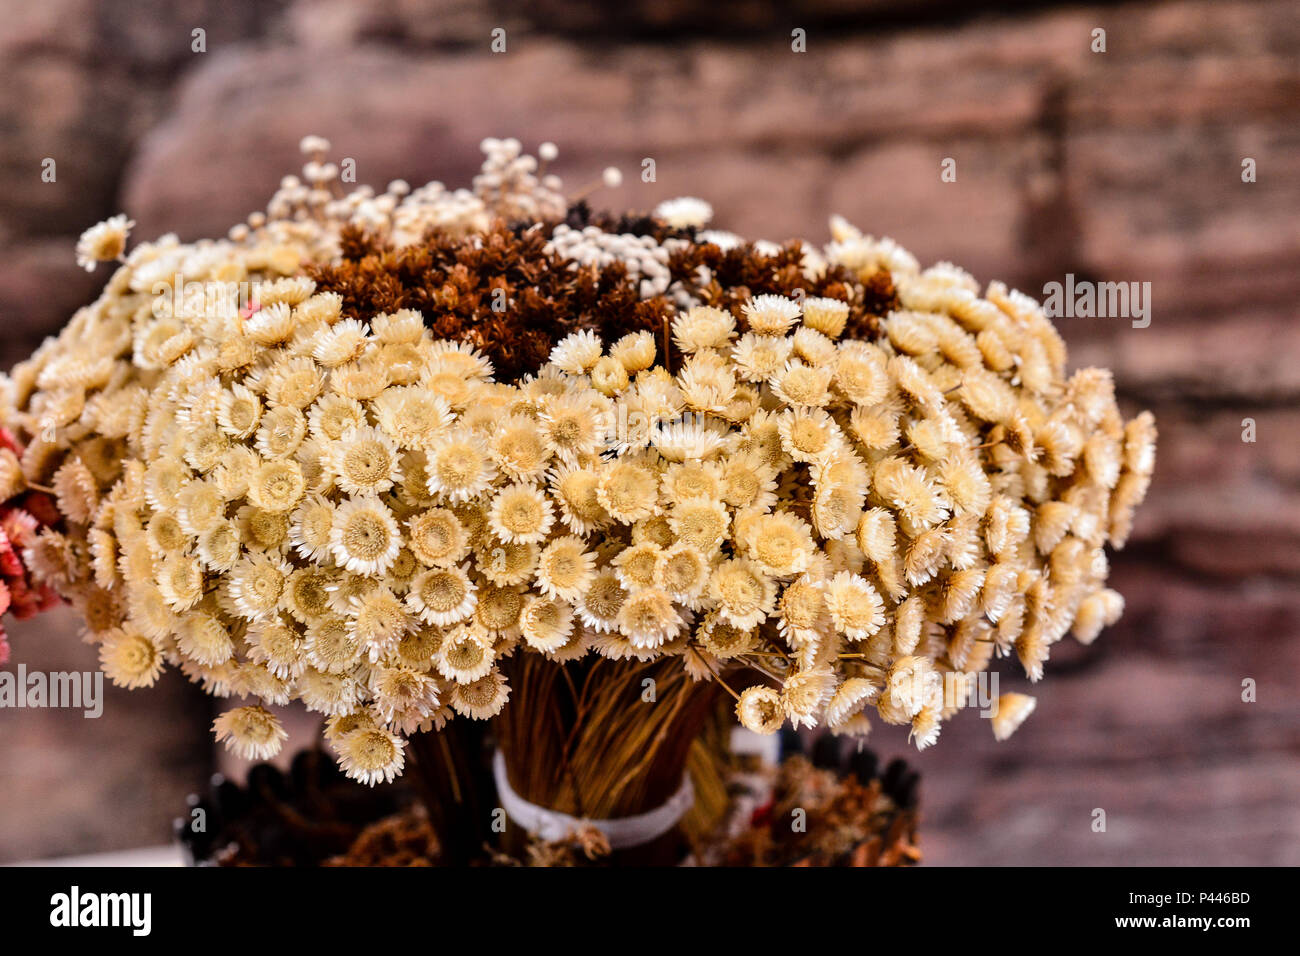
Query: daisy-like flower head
{"type": "Point", "coordinates": [814, 348]}
{"type": "Point", "coordinates": [744, 594]}
{"type": "Point", "coordinates": [459, 357]}
{"type": "Point", "coordinates": [272, 325]}
{"type": "Point", "coordinates": [498, 609]}
{"type": "Point", "coordinates": [130, 659]}
{"type": "Point", "coordinates": [262, 530]}
{"type": "Point", "coordinates": [648, 618]}
{"type": "Point", "coordinates": [464, 656]}
{"type": "Point", "coordinates": [338, 727]}
{"type": "Point", "coordinates": [364, 461]}
{"type": "Point", "coordinates": [310, 527]}
{"type": "Point", "coordinates": [240, 411]}
{"type": "Point", "coordinates": [912, 383]}
{"type": "Point", "coordinates": [628, 490]}
{"type": "Point", "coordinates": [911, 492]}
{"type": "Point", "coordinates": [253, 733]}
{"type": "Point", "coordinates": [599, 605]}
{"type": "Point", "coordinates": [344, 341]}
{"type": "Point", "coordinates": [856, 609]}
{"type": "Point", "coordinates": [808, 433]}
{"type": "Point", "coordinates": [255, 585]}
{"type": "Point", "coordinates": [518, 448]}
{"type": "Point", "coordinates": [364, 538]}
{"type": "Point", "coordinates": [442, 596]}
{"type": "Point", "coordinates": [294, 383]}
{"type": "Point", "coordinates": [203, 638]}
{"type": "Point", "coordinates": [747, 481]}
{"type": "Point", "coordinates": [412, 415]}
{"type": "Point", "coordinates": [103, 242]}
{"type": "Point", "coordinates": [836, 509]}
{"type": "Point", "coordinates": [418, 647]}
{"type": "Point", "coordinates": [403, 695]}
{"type": "Point", "coordinates": [574, 492]}
{"type": "Point", "coordinates": [877, 535]}
{"type": "Point", "coordinates": [371, 755]}
{"type": "Point", "coordinates": [849, 700]}
{"type": "Point", "coordinates": [724, 641]}
{"type": "Point", "coordinates": [520, 514]}
{"type": "Point", "coordinates": [861, 374]}
{"type": "Point", "coordinates": [163, 481]}
{"type": "Point", "coordinates": [781, 544]}
{"type": "Point", "coordinates": [180, 579]}
{"type": "Point", "coordinates": [689, 440]}
{"type": "Point", "coordinates": [771, 314]}
{"type": "Point", "coordinates": [507, 562]}
{"type": "Point", "coordinates": [277, 485]}
{"type": "Point", "coordinates": [165, 534]}
{"type": "Point", "coordinates": [635, 351]}
{"type": "Point", "coordinates": [546, 623]}
{"type": "Point", "coordinates": [827, 316]}
{"type": "Point", "coordinates": [576, 425]}
{"type": "Point", "coordinates": [801, 385]}
{"type": "Point", "coordinates": [332, 646]}
{"type": "Point", "coordinates": [281, 431]}
{"type": "Point", "coordinates": [637, 566]}
{"type": "Point", "coordinates": [565, 568]}
{"type": "Point", "coordinates": [329, 694]}
{"type": "Point", "coordinates": [760, 710]}
{"type": "Point", "coordinates": [361, 380]}
{"type": "Point", "coordinates": [378, 618]}
{"type": "Point", "coordinates": [684, 570]}
{"type": "Point", "coordinates": [403, 327]}
{"type": "Point", "coordinates": [333, 415]}
{"type": "Point", "coordinates": [703, 327]}
{"type": "Point", "coordinates": [459, 466]}
{"type": "Point", "coordinates": [577, 352]}
{"type": "Point", "coordinates": [482, 698]}
{"type": "Point", "coordinates": [700, 522]}
{"type": "Point", "coordinates": [706, 383]}
{"type": "Point", "coordinates": [692, 479]}
{"type": "Point", "coordinates": [802, 609]}
{"type": "Point", "coordinates": [277, 646]}
{"type": "Point", "coordinates": [307, 594]}
{"type": "Point", "coordinates": [204, 448]}
{"type": "Point", "coordinates": [806, 693]}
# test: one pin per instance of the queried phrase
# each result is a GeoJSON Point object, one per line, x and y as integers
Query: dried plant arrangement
{"type": "Point", "coordinates": [516, 491]}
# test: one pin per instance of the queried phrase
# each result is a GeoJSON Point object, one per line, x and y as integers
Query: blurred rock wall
{"type": "Point", "coordinates": [1124, 165]}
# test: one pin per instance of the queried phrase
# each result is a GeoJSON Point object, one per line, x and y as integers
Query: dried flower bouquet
{"type": "Point", "coordinates": [451, 447]}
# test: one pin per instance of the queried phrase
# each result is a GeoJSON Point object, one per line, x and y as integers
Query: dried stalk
{"type": "Point", "coordinates": [582, 738]}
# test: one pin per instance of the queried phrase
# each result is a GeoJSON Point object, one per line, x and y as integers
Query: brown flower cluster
{"type": "Point", "coordinates": [429, 440]}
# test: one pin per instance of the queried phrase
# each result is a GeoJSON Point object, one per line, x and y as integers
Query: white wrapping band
{"type": "Point", "coordinates": [621, 832]}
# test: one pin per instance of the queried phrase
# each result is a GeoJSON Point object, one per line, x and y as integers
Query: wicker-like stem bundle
{"type": "Point", "coordinates": [599, 738]}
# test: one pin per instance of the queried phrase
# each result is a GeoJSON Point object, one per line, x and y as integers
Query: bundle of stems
{"type": "Point", "coordinates": [599, 738]}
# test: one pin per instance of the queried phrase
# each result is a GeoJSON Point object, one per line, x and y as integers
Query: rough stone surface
{"type": "Point", "coordinates": [1122, 166]}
